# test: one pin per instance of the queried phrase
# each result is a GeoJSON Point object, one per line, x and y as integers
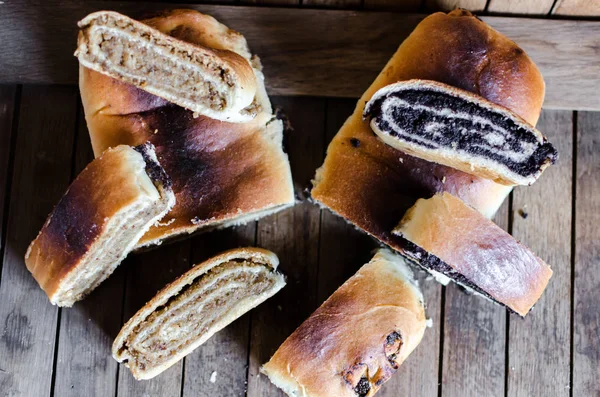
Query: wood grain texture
{"type": "Point", "coordinates": [339, 55]}
{"type": "Point", "coordinates": [577, 8]}
{"type": "Point", "coordinates": [534, 7]}
{"type": "Point", "coordinates": [42, 169]}
{"type": "Point", "coordinates": [293, 235]}
{"type": "Point", "coordinates": [7, 108]}
{"type": "Point", "coordinates": [586, 326]}
{"type": "Point", "coordinates": [147, 273]}
{"type": "Point", "coordinates": [393, 5]}
{"type": "Point", "coordinates": [539, 345]}
{"type": "Point", "coordinates": [474, 340]}
{"type": "Point", "coordinates": [449, 5]}
{"type": "Point", "coordinates": [290, 3]}
{"type": "Point", "coordinates": [84, 362]}
{"type": "Point", "coordinates": [347, 4]}
{"type": "Point", "coordinates": [226, 353]}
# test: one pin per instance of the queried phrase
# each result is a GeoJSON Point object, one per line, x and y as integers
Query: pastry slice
{"type": "Point", "coordinates": [453, 127]}
{"type": "Point", "coordinates": [216, 83]}
{"type": "Point", "coordinates": [187, 312]}
{"type": "Point", "coordinates": [451, 239]}
{"type": "Point", "coordinates": [358, 338]}
{"type": "Point", "coordinates": [101, 217]}
{"type": "Point", "coordinates": [223, 173]}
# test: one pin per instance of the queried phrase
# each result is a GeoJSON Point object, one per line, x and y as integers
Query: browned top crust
{"type": "Point", "coordinates": [221, 171]}
{"type": "Point", "coordinates": [106, 186]}
{"type": "Point", "coordinates": [372, 184]}
{"type": "Point", "coordinates": [476, 248]}
{"type": "Point", "coordinates": [365, 330]}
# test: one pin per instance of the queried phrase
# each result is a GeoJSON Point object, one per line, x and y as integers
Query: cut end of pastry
{"type": "Point", "coordinates": [456, 128]}
{"type": "Point", "coordinates": [364, 331]}
{"type": "Point", "coordinates": [106, 210]}
{"type": "Point", "coordinates": [453, 241]}
{"type": "Point", "coordinates": [219, 84]}
{"type": "Point", "coordinates": [198, 304]}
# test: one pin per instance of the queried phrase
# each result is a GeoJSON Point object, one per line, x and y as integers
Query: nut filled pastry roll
{"type": "Point", "coordinates": [100, 218]}
{"type": "Point", "coordinates": [216, 83]}
{"type": "Point", "coordinates": [187, 312]}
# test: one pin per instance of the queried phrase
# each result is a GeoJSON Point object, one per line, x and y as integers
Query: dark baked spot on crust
{"type": "Point", "coordinates": [183, 32]}
{"type": "Point", "coordinates": [73, 227]}
{"type": "Point", "coordinates": [355, 142]}
{"type": "Point", "coordinates": [363, 387]}
{"type": "Point", "coordinates": [208, 161]}
{"type": "Point", "coordinates": [461, 12]}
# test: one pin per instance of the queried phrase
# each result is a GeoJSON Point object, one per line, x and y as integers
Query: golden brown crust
{"type": "Point", "coordinates": [221, 171]}
{"type": "Point", "coordinates": [371, 184]}
{"type": "Point", "coordinates": [366, 329]}
{"type": "Point", "coordinates": [478, 249]}
{"type": "Point", "coordinates": [104, 188]}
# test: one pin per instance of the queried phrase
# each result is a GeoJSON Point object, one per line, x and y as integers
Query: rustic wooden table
{"type": "Point", "coordinates": [312, 58]}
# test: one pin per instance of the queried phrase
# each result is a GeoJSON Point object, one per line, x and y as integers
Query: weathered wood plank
{"type": "Point", "coordinates": [393, 5]}
{"type": "Point", "coordinates": [42, 169]}
{"type": "Point", "coordinates": [449, 5]}
{"type": "Point", "coordinates": [84, 363]}
{"type": "Point", "coordinates": [293, 235]}
{"type": "Point", "coordinates": [347, 4]}
{"type": "Point", "coordinates": [302, 61]}
{"type": "Point", "coordinates": [7, 108]}
{"type": "Point", "coordinates": [272, 2]}
{"type": "Point", "coordinates": [226, 353]}
{"type": "Point", "coordinates": [577, 8]}
{"type": "Point", "coordinates": [147, 273]}
{"type": "Point", "coordinates": [474, 340]}
{"type": "Point", "coordinates": [534, 7]}
{"type": "Point", "coordinates": [539, 345]}
{"type": "Point", "coordinates": [586, 325]}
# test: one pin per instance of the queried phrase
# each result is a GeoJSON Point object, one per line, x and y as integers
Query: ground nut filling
{"type": "Point", "coordinates": [186, 317]}
{"type": "Point", "coordinates": [140, 57]}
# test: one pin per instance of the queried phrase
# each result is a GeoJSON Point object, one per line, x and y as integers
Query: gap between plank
{"type": "Point", "coordinates": [9, 171]}
{"type": "Point", "coordinates": [487, 6]}
{"type": "Point", "coordinates": [573, 248]}
{"type": "Point", "coordinates": [308, 198]}
{"type": "Point", "coordinates": [441, 354]}
{"type": "Point", "coordinates": [507, 330]}
{"type": "Point", "coordinates": [55, 353]}
{"type": "Point", "coordinates": [553, 8]}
